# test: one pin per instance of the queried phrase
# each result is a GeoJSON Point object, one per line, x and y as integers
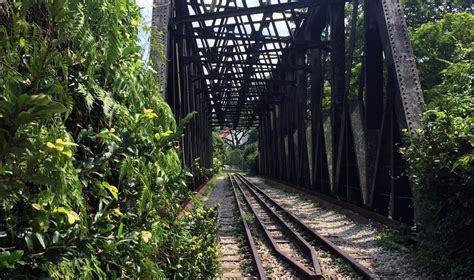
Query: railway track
{"type": "Point", "coordinates": [295, 244]}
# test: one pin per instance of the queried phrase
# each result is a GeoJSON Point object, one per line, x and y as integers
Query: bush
{"type": "Point", "coordinates": [220, 152]}
{"type": "Point", "coordinates": [190, 249]}
{"type": "Point", "coordinates": [251, 158]}
{"type": "Point", "coordinates": [90, 178]}
{"type": "Point", "coordinates": [440, 156]}
{"type": "Point", "coordinates": [236, 159]}
{"type": "Point", "coordinates": [441, 45]}
{"type": "Point", "coordinates": [441, 165]}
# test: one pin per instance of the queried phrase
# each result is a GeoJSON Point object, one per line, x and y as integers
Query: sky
{"type": "Point", "coordinates": [147, 9]}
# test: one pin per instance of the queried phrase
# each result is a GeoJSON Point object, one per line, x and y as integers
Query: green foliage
{"type": "Point", "coordinates": [444, 50]}
{"type": "Point", "coordinates": [440, 155]}
{"type": "Point", "coordinates": [90, 178]}
{"type": "Point", "coordinates": [441, 163]}
{"type": "Point", "coordinates": [249, 217]}
{"type": "Point", "coordinates": [220, 152]}
{"type": "Point", "coordinates": [419, 12]}
{"type": "Point", "coordinates": [236, 159]}
{"type": "Point", "coordinates": [251, 158]}
{"type": "Point", "coordinates": [192, 252]}
{"type": "Point", "coordinates": [391, 240]}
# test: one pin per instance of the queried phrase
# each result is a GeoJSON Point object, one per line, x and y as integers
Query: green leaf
{"type": "Point", "coordinates": [29, 242]}
{"type": "Point", "coordinates": [9, 259]}
{"type": "Point", "coordinates": [88, 97]}
{"type": "Point", "coordinates": [56, 236]}
{"type": "Point", "coordinates": [71, 215]}
{"type": "Point", "coordinates": [41, 241]}
{"type": "Point", "coordinates": [112, 189]}
{"type": "Point", "coordinates": [40, 179]}
{"type": "Point", "coordinates": [5, 170]}
{"type": "Point", "coordinates": [6, 107]}
{"type": "Point", "coordinates": [23, 118]}
{"type": "Point", "coordinates": [120, 230]}
{"type": "Point", "coordinates": [49, 109]}
{"type": "Point", "coordinates": [38, 100]}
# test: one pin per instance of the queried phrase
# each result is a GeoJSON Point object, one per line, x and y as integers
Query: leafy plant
{"type": "Point", "coordinates": [444, 48]}
{"type": "Point", "coordinates": [251, 158]}
{"type": "Point", "coordinates": [249, 217]}
{"type": "Point", "coordinates": [440, 155]}
{"type": "Point", "coordinates": [90, 178]}
{"type": "Point", "coordinates": [220, 152]}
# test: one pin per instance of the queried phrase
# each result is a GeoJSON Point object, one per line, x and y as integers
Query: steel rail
{"type": "Point", "coordinates": [298, 237]}
{"type": "Point", "coordinates": [248, 235]}
{"type": "Point", "coordinates": [298, 266]}
{"type": "Point", "coordinates": [327, 244]}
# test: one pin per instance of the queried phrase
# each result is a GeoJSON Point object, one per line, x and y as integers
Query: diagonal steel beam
{"type": "Point", "coordinates": [247, 11]}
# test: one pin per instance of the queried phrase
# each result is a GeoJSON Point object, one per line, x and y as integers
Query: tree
{"type": "Point", "coordinates": [440, 155]}
{"type": "Point", "coordinates": [235, 138]}
{"type": "Point", "coordinates": [419, 12]}
{"type": "Point", "coordinates": [441, 44]}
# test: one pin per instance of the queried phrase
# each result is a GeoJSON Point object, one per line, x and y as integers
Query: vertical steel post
{"type": "Point", "coordinates": [338, 78]}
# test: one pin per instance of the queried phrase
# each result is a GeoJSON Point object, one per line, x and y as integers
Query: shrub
{"type": "Point", "coordinates": [236, 159]}
{"type": "Point", "coordinates": [90, 178]}
{"type": "Point", "coordinates": [220, 152]}
{"type": "Point", "coordinates": [440, 156]}
{"type": "Point", "coordinates": [441, 165]}
{"type": "Point", "coordinates": [441, 45]}
{"type": "Point", "coordinates": [251, 158]}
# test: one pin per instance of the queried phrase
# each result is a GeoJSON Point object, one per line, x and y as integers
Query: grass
{"type": "Point", "coordinates": [391, 240]}
{"type": "Point", "coordinates": [344, 266]}
{"type": "Point", "coordinates": [210, 186]}
{"type": "Point", "coordinates": [249, 217]}
{"type": "Point", "coordinates": [201, 200]}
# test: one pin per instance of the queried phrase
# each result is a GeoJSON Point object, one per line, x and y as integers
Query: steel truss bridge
{"type": "Point", "coordinates": [330, 118]}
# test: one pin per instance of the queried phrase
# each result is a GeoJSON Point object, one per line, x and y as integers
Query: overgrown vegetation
{"type": "Point", "coordinates": [441, 155]}
{"type": "Point", "coordinates": [419, 12]}
{"type": "Point", "coordinates": [251, 158]}
{"type": "Point", "coordinates": [391, 240]}
{"type": "Point", "coordinates": [242, 149]}
{"type": "Point", "coordinates": [90, 178]}
{"type": "Point", "coordinates": [220, 152]}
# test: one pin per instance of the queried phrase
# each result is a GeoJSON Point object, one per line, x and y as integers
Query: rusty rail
{"type": "Point", "coordinates": [326, 243]}
{"type": "Point", "coordinates": [298, 266]}
{"type": "Point", "coordinates": [248, 235]}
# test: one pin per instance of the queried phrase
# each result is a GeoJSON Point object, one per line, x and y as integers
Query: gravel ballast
{"type": "Point", "coordinates": [360, 241]}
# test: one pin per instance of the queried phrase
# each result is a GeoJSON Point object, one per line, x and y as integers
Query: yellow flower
{"type": "Point", "coordinates": [60, 143]}
{"type": "Point", "coordinates": [112, 130]}
{"type": "Point", "coordinates": [145, 235]}
{"type": "Point", "coordinates": [71, 215]}
{"type": "Point", "coordinates": [116, 212]}
{"type": "Point", "coordinates": [36, 206]}
{"type": "Point", "coordinates": [149, 114]}
{"type": "Point", "coordinates": [134, 22]}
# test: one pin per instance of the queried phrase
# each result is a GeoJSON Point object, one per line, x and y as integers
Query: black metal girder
{"type": "Point", "coordinates": [209, 77]}
{"type": "Point", "coordinates": [232, 36]}
{"type": "Point", "coordinates": [246, 11]}
{"type": "Point", "coordinates": [286, 66]}
{"type": "Point", "coordinates": [238, 62]}
{"type": "Point", "coordinates": [256, 93]}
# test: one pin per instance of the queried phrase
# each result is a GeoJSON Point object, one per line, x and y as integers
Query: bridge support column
{"type": "Point", "coordinates": [302, 165]}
